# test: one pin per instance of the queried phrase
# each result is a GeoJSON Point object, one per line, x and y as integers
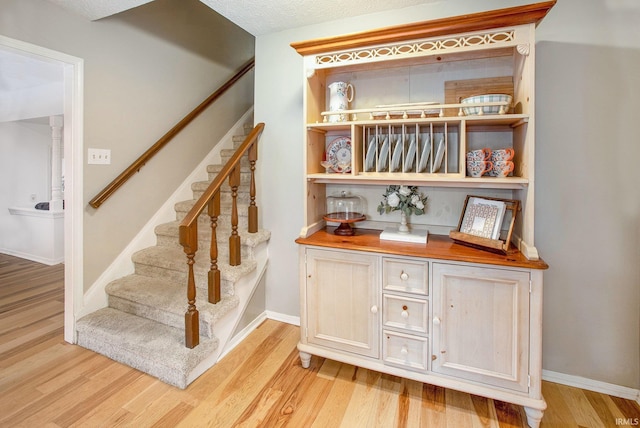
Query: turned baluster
{"type": "Point", "coordinates": [234, 239]}
{"type": "Point", "coordinates": [214, 272]}
{"type": "Point", "coordinates": [189, 240]}
{"type": "Point", "coordinates": [253, 209]}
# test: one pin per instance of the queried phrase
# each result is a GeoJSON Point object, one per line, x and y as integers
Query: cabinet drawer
{"type": "Point", "coordinates": [405, 351]}
{"type": "Point", "coordinates": [405, 313]}
{"type": "Point", "coordinates": [405, 276]}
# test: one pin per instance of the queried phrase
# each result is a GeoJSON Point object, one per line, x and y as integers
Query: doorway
{"type": "Point", "coordinates": [72, 89]}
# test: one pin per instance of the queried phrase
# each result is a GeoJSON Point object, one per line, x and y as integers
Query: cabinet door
{"type": "Point", "coordinates": [481, 325]}
{"type": "Point", "coordinates": [342, 299]}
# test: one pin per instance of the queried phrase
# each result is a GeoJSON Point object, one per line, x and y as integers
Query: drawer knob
{"type": "Point", "coordinates": [405, 314]}
{"type": "Point", "coordinates": [374, 309]}
{"type": "Point", "coordinates": [404, 276]}
{"type": "Point", "coordinates": [436, 321]}
{"type": "Point", "coordinates": [404, 350]}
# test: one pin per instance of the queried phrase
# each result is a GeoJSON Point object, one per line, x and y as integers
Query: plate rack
{"type": "Point", "coordinates": [425, 148]}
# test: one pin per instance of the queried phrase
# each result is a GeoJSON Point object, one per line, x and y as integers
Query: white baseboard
{"type": "Point", "coordinates": [33, 257]}
{"type": "Point", "coordinates": [592, 385]}
{"type": "Point", "coordinates": [289, 319]}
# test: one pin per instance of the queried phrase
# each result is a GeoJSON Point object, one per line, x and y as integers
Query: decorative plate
{"type": "Point", "coordinates": [339, 154]}
{"type": "Point", "coordinates": [371, 155]}
{"type": "Point", "coordinates": [426, 151]}
{"type": "Point", "coordinates": [397, 156]}
{"type": "Point", "coordinates": [411, 154]}
{"type": "Point", "coordinates": [437, 162]}
{"type": "Point", "coordinates": [384, 155]}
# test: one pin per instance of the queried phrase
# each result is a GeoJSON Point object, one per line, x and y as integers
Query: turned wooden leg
{"type": "Point", "coordinates": [305, 359]}
{"type": "Point", "coordinates": [534, 416]}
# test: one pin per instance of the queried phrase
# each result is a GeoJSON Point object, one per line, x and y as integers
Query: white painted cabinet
{"type": "Point", "coordinates": [342, 301]}
{"type": "Point", "coordinates": [473, 327]}
{"type": "Point", "coordinates": [481, 325]}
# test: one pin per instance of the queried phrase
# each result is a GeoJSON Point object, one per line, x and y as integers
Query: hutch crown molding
{"type": "Point", "coordinates": [440, 313]}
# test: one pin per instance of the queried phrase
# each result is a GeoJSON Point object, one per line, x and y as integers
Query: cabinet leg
{"type": "Point", "coordinates": [534, 416]}
{"type": "Point", "coordinates": [305, 359]}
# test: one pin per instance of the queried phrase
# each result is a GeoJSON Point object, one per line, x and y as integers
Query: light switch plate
{"type": "Point", "coordinates": [99, 156]}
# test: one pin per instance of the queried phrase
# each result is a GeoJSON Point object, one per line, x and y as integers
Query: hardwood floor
{"type": "Point", "coordinates": [46, 382]}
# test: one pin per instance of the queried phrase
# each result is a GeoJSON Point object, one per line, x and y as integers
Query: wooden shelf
{"type": "Point", "coordinates": [437, 247]}
{"type": "Point", "coordinates": [420, 179]}
{"type": "Point", "coordinates": [511, 120]}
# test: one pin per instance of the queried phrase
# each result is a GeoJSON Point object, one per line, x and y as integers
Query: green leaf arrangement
{"type": "Point", "coordinates": [403, 198]}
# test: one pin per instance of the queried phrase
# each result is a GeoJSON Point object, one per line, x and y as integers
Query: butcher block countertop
{"type": "Point", "coordinates": [437, 247]}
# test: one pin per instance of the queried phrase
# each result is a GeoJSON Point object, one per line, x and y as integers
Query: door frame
{"type": "Point", "coordinates": [73, 155]}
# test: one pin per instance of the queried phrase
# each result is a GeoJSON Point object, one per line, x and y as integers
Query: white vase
{"type": "Point", "coordinates": [403, 223]}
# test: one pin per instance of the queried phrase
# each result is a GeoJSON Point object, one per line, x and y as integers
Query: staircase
{"type": "Point", "coordinates": [144, 323]}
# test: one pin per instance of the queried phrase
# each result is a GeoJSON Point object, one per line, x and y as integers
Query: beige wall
{"type": "Point", "coordinates": [144, 70]}
{"type": "Point", "coordinates": [588, 205]}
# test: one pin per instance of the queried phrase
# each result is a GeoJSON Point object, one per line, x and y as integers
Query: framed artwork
{"type": "Point", "coordinates": [482, 220]}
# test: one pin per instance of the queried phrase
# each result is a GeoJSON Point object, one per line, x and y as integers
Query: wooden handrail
{"type": "Point", "coordinates": [188, 229]}
{"type": "Point", "coordinates": [146, 156]}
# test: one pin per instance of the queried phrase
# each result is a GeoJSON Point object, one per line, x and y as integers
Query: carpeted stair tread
{"type": "Point", "coordinates": [143, 344]}
{"type": "Point", "coordinates": [225, 207]}
{"type": "Point", "coordinates": [222, 234]}
{"type": "Point", "coordinates": [174, 259]}
{"type": "Point", "coordinates": [165, 301]}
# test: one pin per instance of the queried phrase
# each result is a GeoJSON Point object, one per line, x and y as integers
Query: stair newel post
{"type": "Point", "coordinates": [214, 272]}
{"type": "Point", "coordinates": [234, 239]}
{"type": "Point", "coordinates": [253, 209]}
{"type": "Point", "coordinates": [189, 242]}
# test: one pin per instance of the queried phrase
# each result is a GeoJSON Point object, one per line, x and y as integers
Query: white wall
{"type": "Point", "coordinates": [25, 165]}
{"type": "Point", "coordinates": [586, 303]}
{"type": "Point", "coordinates": [25, 171]}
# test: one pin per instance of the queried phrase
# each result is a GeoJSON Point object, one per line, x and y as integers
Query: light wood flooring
{"type": "Point", "coordinates": [46, 382]}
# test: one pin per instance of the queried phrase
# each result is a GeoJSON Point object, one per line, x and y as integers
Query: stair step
{"type": "Point", "coordinates": [165, 302]}
{"type": "Point", "coordinates": [200, 187]}
{"type": "Point", "coordinates": [171, 263]}
{"type": "Point", "coordinates": [224, 219]}
{"type": "Point", "coordinates": [167, 234]}
{"type": "Point", "coordinates": [245, 174]}
{"type": "Point", "coordinates": [143, 344]}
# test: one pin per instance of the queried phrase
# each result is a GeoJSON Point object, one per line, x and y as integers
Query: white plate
{"type": "Point", "coordinates": [437, 162]}
{"type": "Point", "coordinates": [397, 156]}
{"type": "Point", "coordinates": [371, 155]}
{"type": "Point", "coordinates": [411, 154]}
{"type": "Point", "coordinates": [426, 150]}
{"type": "Point", "coordinates": [384, 155]}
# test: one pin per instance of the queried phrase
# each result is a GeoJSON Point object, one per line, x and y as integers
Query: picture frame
{"type": "Point", "coordinates": [482, 220]}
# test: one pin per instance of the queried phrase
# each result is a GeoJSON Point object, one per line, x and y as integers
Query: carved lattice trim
{"type": "Point", "coordinates": [432, 46]}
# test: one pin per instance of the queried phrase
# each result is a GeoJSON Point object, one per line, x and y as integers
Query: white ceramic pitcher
{"type": "Point", "coordinates": [339, 99]}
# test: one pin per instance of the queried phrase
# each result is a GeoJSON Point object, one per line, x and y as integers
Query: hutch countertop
{"type": "Point", "coordinates": [437, 247]}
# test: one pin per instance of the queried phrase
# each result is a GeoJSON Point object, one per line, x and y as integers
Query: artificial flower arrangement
{"type": "Point", "coordinates": [406, 199]}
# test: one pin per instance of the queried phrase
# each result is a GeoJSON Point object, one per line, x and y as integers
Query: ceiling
{"type": "Point", "coordinates": [256, 16]}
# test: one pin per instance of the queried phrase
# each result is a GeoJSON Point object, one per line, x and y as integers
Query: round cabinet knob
{"type": "Point", "coordinates": [436, 321]}
{"type": "Point", "coordinates": [404, 276]}
{"type": "Point", "coordinates": [405, 314]}
{"type": "Point", "coordinates": [404, 350]}
{"type": "Point", "coordinates": [374, 309]}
